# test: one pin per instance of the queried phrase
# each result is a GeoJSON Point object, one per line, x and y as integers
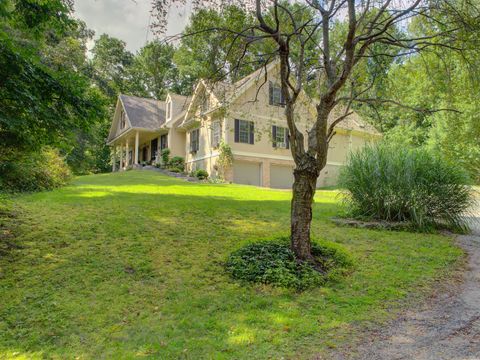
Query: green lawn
{"type": "Point", "coordinates": [129, 265]}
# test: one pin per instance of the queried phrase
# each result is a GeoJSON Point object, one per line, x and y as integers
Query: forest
{"type": "Point", "coordinates": [57, 98]}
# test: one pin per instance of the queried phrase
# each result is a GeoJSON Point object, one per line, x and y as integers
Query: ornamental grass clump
{"type": "Point", "coordinates": [392, 183]}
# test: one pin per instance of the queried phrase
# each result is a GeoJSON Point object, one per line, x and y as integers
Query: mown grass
{"type": "Point", "coordinates": [130, 265]}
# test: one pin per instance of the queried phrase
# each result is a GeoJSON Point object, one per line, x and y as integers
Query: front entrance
{"type": "Point", "coordinates": [144, 153]}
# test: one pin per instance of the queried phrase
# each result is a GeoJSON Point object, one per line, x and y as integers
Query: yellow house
{"type": "Point", "coordinates": [247, 115]}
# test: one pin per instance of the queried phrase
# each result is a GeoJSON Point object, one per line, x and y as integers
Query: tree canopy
{"type": "Point", "coordinates": [52, 93]}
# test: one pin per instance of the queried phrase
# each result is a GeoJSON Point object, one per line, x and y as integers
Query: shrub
{"type": "Point", "coordinates": [225, 158]}
{"type": "Point", "coordinates": [177, 162]}
{"type": "Point", "coordinates": [394, 183]}
{"type": "Point", "coordinates": [34, 171]}
{"type": "Point", "coordinates": [165, 157]}
{"type": "Point", "coordinates": [175, 170]}
{"type": "Point", "coordinates": [273, 262]}
{"type": "Point", "coordinates": [201, 174]}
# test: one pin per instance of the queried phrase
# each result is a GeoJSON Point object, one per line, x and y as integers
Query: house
{"type": "Point", "coordinates": [247, 115]}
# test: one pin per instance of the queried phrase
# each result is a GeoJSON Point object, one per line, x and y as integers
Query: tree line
{"type": "Point", "coordinates": [54, 94]}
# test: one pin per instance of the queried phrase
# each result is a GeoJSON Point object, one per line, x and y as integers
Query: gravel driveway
{"type": "Point", "coordinates": [448, 327]}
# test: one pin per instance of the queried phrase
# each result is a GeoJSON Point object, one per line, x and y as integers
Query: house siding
{"type": "Point", "coordinates": [253, 105]}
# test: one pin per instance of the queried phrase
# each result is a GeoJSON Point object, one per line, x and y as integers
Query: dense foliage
{"type": "Point", "coordinates": [274, 263]}
{"type": "Point", "coordinates": [53, 95]}
{"type": "Point", "coordinates": [33, 171]}
{"type": "Point", "coordinates": [176, 164]}
{"type": "Point", "coordinates": [45, 98]}
{"type": "Point", "coordinates": [201, 174]}
{"type": "Point", "coordinates": [396, 183]}
{"type": "Point", "coordinates": [438, 92]}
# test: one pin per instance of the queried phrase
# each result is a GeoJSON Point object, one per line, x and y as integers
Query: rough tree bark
{"type": "Point", "coordinates": [301, 211]}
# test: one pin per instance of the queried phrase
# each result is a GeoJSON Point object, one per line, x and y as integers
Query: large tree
{"type": "Point", "coordinates": [44, 97]}
{"type": "Point", "coordinates": [443, 78]}
{"type": "Point", "coordinates": [367, 25]}
{"type": "Point", "coordinates": [153, 72]}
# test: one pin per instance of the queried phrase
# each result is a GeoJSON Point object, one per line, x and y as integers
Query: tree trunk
{"type": "Point", "coordinates": [304, 188]}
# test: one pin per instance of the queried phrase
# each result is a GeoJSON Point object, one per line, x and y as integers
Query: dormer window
{"type": "Point", "coordinates": [205, 104]}
{"type": "Point", "coordinates": [123, 123]}
{"type": "Point", "coordinates": [169, 109]}
{"type": "Point", "coordinates": [276, 96]}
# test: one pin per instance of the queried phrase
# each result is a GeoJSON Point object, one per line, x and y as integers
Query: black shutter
{"type": "Point", "coordinates": [274, 136]}
{"type": "Point", "coordinates": [237, 130]}
{"type": "Point", "coordinates": [287, 140]}
{"type": "Point", "coordinates": [270, 92]}
{"type": "Point", "coordinates": [282, 98]}
{"type": "Point", "coordinates": [252, 130]}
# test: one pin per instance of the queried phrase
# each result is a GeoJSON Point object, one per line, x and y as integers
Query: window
{"type": "Point", "coordinates": [194, 140]}
{"type": "Point", "coordinates": [154, 147]}
{"type": "Point", "coordinates": [163, 142]}
{"type": "Point", "coordinates": [123, 123]}
{"type": "Point", "coordinates": [205, 103]}
{"type": "Point", "coordinates": [244, 131]}
{"type": "Point", "coordinates": [216, 133]}
{"type": "Point", "coordinates": [280, 137]}
{"type": "Point", "coordinates": [276, 96]}
{"type": "Point", "coordinates": [169, 110]}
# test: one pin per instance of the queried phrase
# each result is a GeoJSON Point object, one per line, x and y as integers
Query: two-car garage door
{"type": "Point", "coordinates": [250, 173]}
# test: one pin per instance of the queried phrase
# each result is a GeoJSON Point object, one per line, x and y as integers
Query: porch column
{"type": "Point", "coordinates": [127, 157]}
{"type": "Point", "coordinates": [136, 147]}
{"type": "Point", "coordinates": [121, 158]}
{"type": "Point", "coordinates": [114, 158]}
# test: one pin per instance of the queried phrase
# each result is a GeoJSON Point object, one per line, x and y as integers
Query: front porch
{"type": "Point", "coordinates": [136, 147]}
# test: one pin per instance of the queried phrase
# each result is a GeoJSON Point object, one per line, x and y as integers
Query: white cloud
{"type": "Point", "coordinates": [127, 20]}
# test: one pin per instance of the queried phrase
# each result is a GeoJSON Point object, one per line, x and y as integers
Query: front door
{"type": "Point", "coordinates": [144, 153]}
{"type": "Point", "coordinates": [154, 147]}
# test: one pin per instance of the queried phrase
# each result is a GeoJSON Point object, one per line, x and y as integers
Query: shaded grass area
{"type": "Point", "coordinates": [130, 265]}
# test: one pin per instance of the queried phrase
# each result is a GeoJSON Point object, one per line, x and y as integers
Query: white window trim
{"type": "Point", "coordinates": [281, 144]}
{"type": "Point", "coordinates": [247, 122]}
{"type": "Point", "coordinates": [192, 150]}
{"type": "Point", "coordinates": [169, 110]}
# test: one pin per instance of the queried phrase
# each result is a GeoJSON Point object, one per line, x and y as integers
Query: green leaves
{"type": "Point", "coordinates": [393, 183]}
{"type": "Point", "coordinates": [274, 263]}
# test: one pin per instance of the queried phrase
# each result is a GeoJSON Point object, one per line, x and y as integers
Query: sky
{"type": "Point", "coordinates": [127, 20]}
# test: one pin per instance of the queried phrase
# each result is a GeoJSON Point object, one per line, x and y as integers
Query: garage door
{"type": "Point", "coordinates": [246, 173]}
{"type": "Point", "coordinates": [281, 177]}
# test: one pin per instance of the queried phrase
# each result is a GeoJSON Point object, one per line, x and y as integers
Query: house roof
{"type": "Point", "coordinates": [144, 113]}
{"type": "Point", "coordinates": [179, 104]}
{"type": "Point", "coordinates": [352, 122]}
{"type": "Point", "coordinates": [226, 91]}
{"type": "Point", "coordinates": [150, 113]}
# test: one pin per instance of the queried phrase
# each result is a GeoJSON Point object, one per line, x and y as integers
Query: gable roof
{"type": "Point", "coordinates": [180, 103]}
{"type": "Point", "coordinates": [144, 113]}
{"type": "Point", "coordinates": [224, 91]}
{"type": "Point", "coordinates": [352, 122]}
